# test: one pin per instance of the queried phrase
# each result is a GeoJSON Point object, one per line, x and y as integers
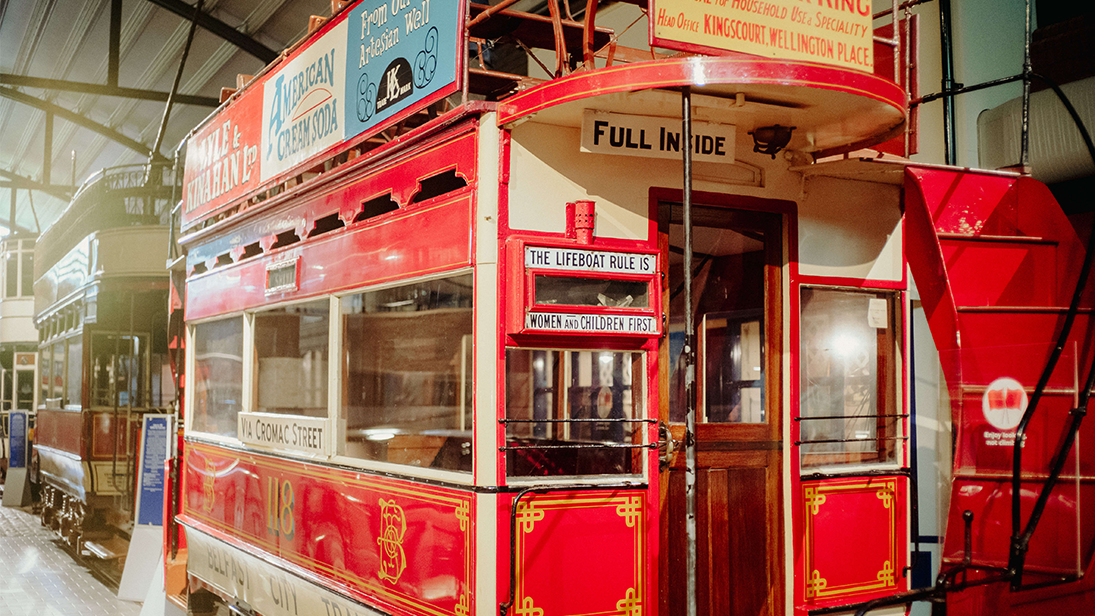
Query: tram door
{"type": "Point", "coordinates": [737, 257]}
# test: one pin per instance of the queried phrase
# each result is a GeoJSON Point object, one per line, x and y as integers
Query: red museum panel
{"type": "Point", "coordinates": [404, 547]}
{"type": "Point", "coordinates": [854, 537]}
{"type": "Point", "coordinates": [581, 553]}
{"type": "Point", "coordinates": [60, 430]}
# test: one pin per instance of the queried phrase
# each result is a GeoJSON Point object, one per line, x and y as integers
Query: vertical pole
{"type": "Point", "coordinates": [114, 42]}
{"type": "Point", "coordinates": [47, 153]}
{"type": "Point", "coordinates": [950, 151]}
{"type": "Point", "coordinates": [73, 181]}
{"type": "Point", "coordinates": [1024, 156]}
{"type": "Point", "coordinates": [689, 360]}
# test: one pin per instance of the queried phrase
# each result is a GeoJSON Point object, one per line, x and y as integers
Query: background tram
{"type": "Point", "coordinates": [100, 295]}
{"type": "Point", "coordinates": [449, 323]}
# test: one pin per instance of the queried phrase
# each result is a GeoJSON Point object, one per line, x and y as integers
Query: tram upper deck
{"type": "Point", "coordinates": [433, 324]}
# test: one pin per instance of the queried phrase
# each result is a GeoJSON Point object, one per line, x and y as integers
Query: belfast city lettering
{"type": "Point", "coordinates": [304, 108]}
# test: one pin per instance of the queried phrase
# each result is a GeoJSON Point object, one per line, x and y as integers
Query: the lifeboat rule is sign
{"type": "Point", "coordinates": [835, 32]}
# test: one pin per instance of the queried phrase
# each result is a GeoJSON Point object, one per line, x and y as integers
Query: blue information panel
{"type": "Point", "coordinates": [17, 434]}
{"type": "Point", "coordinates": [155, 445]}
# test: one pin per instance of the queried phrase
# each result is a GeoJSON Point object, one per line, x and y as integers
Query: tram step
{"type": "Point", "coordinates": [108, 549]}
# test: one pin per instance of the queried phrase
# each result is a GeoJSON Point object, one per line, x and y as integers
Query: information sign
{"type": "Point", "coordinates": [591, 323]}
{"type": "Point", "coordinates": [653, 137]}
{"type": "Point", "coordinates": [304, 434]}
{"type": "Point", "coordinates": [837, 32]}
{"type": "Point", "coordinates": [156, 435]}
{"type": "Point", "coordinates": [578, 260]}
{"type": "Point", "coordinates": [17, 436]}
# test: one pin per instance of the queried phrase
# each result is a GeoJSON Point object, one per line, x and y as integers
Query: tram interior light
{"type": "Point", "coordinates": [771, 139]}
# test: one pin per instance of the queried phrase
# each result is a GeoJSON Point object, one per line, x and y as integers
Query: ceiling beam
{"type": "Point", "coordinates": [219, 28]}
{"type": "Point", "coordinates": [19, 181]}
{"type": "Point", "coordinates": [104, 90]}
{"type": "Point", "coordinates": [79, 120]}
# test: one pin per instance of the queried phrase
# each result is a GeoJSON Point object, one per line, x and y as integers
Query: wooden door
{"type": "Point", "coordinates": [736, 269]}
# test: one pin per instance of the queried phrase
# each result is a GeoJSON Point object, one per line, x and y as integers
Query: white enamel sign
{"type": "Point", "coordinates": [632, 135]}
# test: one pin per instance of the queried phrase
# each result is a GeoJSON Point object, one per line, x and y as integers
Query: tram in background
{"type": "Point", "coordinates": [100, 306]}
{"type": "Point", "coordinates": [438, 354]}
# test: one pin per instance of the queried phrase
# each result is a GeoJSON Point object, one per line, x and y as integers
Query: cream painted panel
{"type": "Point", "coordinates": [547, 170]}
{"type": "Point", "coordinates": [140, 250]}
{"type": "Point", "coordinates": [850, 229]}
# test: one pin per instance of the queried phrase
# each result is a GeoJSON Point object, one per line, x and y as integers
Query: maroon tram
{"type": "Point", "coordinates": [448, 325]}
{"type": "Point", "coordinates": [100, 296]}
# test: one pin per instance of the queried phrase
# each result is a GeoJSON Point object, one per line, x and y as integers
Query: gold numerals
{"type": "Point", "coordinates": [279, 508]}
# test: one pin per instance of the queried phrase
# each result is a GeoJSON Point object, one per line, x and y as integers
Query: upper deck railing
{"type": "Point", "coordinates": [123, 196]}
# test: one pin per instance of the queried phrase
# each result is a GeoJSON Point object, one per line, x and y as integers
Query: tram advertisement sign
{"type": "Point", "coordinates": [653, 137]}
{"type": "Point", "coordinates": [374, 64]}
{"type": "Point", "coordinates": [17, 436]}
{"type": "Point", "coordinates": [837, 32]}
{"type": "Point", "coordinates": [156, 433]}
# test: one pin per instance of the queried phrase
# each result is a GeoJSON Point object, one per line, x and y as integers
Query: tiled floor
{"type": "Point", "coordinates": [37, 578]}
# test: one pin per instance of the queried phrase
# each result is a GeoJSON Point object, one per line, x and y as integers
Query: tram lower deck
{"type": "Point", "coordinates": [453, 370]}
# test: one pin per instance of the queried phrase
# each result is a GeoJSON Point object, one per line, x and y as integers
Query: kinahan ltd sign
{"type": "Point", "coordinates": [837, 32]}
{"type": "Point", "coordinates": [374, 64]}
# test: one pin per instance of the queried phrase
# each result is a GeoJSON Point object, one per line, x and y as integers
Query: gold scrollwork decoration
{"type": "Point", "coordinates": [463, 514]}
{"type": "Point", "coordinates": [886, 576]}
{"type": "Point", "coordinates": [631, 604]}
{"type": "Point", "coordinates": [528, 515]}
{"type": "Point", "coordinates": [208, 492]}
{"type": "Point", "coordinates": [815, 585]}
{"type": "Point", "coordinates": [814, 500]}
{"type": "Point", "coordinates": [393, 561]}
{"type": "Point", "coordinates": [526, 608]}
{"type": "Point", "coordinates": [631, 510]}
{"type": "Point", "coordinates": [462, 607]}
{"type": "Point", "coordinates": [885, 494]}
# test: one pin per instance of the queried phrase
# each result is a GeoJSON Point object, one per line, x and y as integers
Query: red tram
{"type": "Point", "coordinates": [441, 356]}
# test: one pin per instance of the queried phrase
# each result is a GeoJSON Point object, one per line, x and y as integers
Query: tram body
{"type": "Point", "coordinates": [427, 362]}
{"type": "Point", "coordinates": [101, 313]}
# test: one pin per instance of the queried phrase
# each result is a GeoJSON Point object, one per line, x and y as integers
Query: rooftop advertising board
{"type": "Point", "coordinates": [837, 32]}
{"type": "Point", "coordinates": [372, 65]}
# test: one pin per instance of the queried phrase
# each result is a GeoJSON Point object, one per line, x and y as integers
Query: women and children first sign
{"type": "Point", "coordinates": [378, 61]}
{"type": "Point", "coordinates": [828, 31]}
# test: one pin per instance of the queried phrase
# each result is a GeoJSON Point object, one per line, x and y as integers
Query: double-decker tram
{"type": "Point", "coordinates": [604, 330]}
{"type": "Point", "coordinates": [100, 306]}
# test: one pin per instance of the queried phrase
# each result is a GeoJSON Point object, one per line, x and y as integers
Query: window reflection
{"type": "Point", "coordinates": [218, 376]}
{"type": "Point", "coordinates": [568, 412]}
{"type": "Point", "coordinates": [291, 348]}
{"type": "Point", "coordinates": [407, 374]}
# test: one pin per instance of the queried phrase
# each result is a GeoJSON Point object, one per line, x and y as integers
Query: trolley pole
{"type": "Point", "coordinates": [688, 357]}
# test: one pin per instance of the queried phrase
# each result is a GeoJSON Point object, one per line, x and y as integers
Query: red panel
{"type": "Point", "coordinates": [999, 273]}
{"type": "Point", "coordinates": [582, 553]}
{"type": "Point", "coordinates": [58, 429]}
{"type": "Point", "coordinates": [854, 539]}
{"type": "Point", "coordinates": [437, 238]}
{"type": "Point", "coordinates": [406, 548]}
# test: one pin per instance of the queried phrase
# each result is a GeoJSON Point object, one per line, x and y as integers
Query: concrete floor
{"type": "Point", "coordinates": [38, 578]}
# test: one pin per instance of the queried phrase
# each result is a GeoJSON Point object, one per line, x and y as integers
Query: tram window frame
{"type": "Point", "coordinates": [251, 332]}
{"type": "Point", "coordinates": [195, 381]}
{"type": "Point", "coordinates": [635, 427]}
{"type": "Point", "coordinates": [883, 365]}
{"type": "Point", "coordinates": [454, 455]}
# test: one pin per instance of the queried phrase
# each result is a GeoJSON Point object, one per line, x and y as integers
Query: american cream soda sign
{"type": "Point", "coordinates": [837, 32]}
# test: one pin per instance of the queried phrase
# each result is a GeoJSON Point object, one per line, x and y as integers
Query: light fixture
{"type": "Point", "coordinates": [771, 139]}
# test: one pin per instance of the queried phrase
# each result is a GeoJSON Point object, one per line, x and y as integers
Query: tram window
{"type": "Point", "coordinates": [74, 382]}
{"type": "Point", "coordinates": [407, 374]}
{"type": "Point", "coordinates": [118, 365]}
{"type": "Point", "coordinates": [27, 259]}
{"type": "Point", "coordinates": [218, 376]}
{"type": "Point", "coordinates": [555, 404]}
{"type": "Point", "coordinates": [848, 407]}
{"type": "Point", "coordinates": [576, 291]}
{"type": "Point", "coordinates": [11, 275]}
{"type": "Point", "coordinates": [291, 345]}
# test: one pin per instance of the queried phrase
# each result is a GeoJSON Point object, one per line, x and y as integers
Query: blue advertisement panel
{"type": "Point", "coordinates": [17, 436]}
{"type": "Point", "coordinates": [406, 50]}
{"type": "Point", "coordinates": [155, 447]}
